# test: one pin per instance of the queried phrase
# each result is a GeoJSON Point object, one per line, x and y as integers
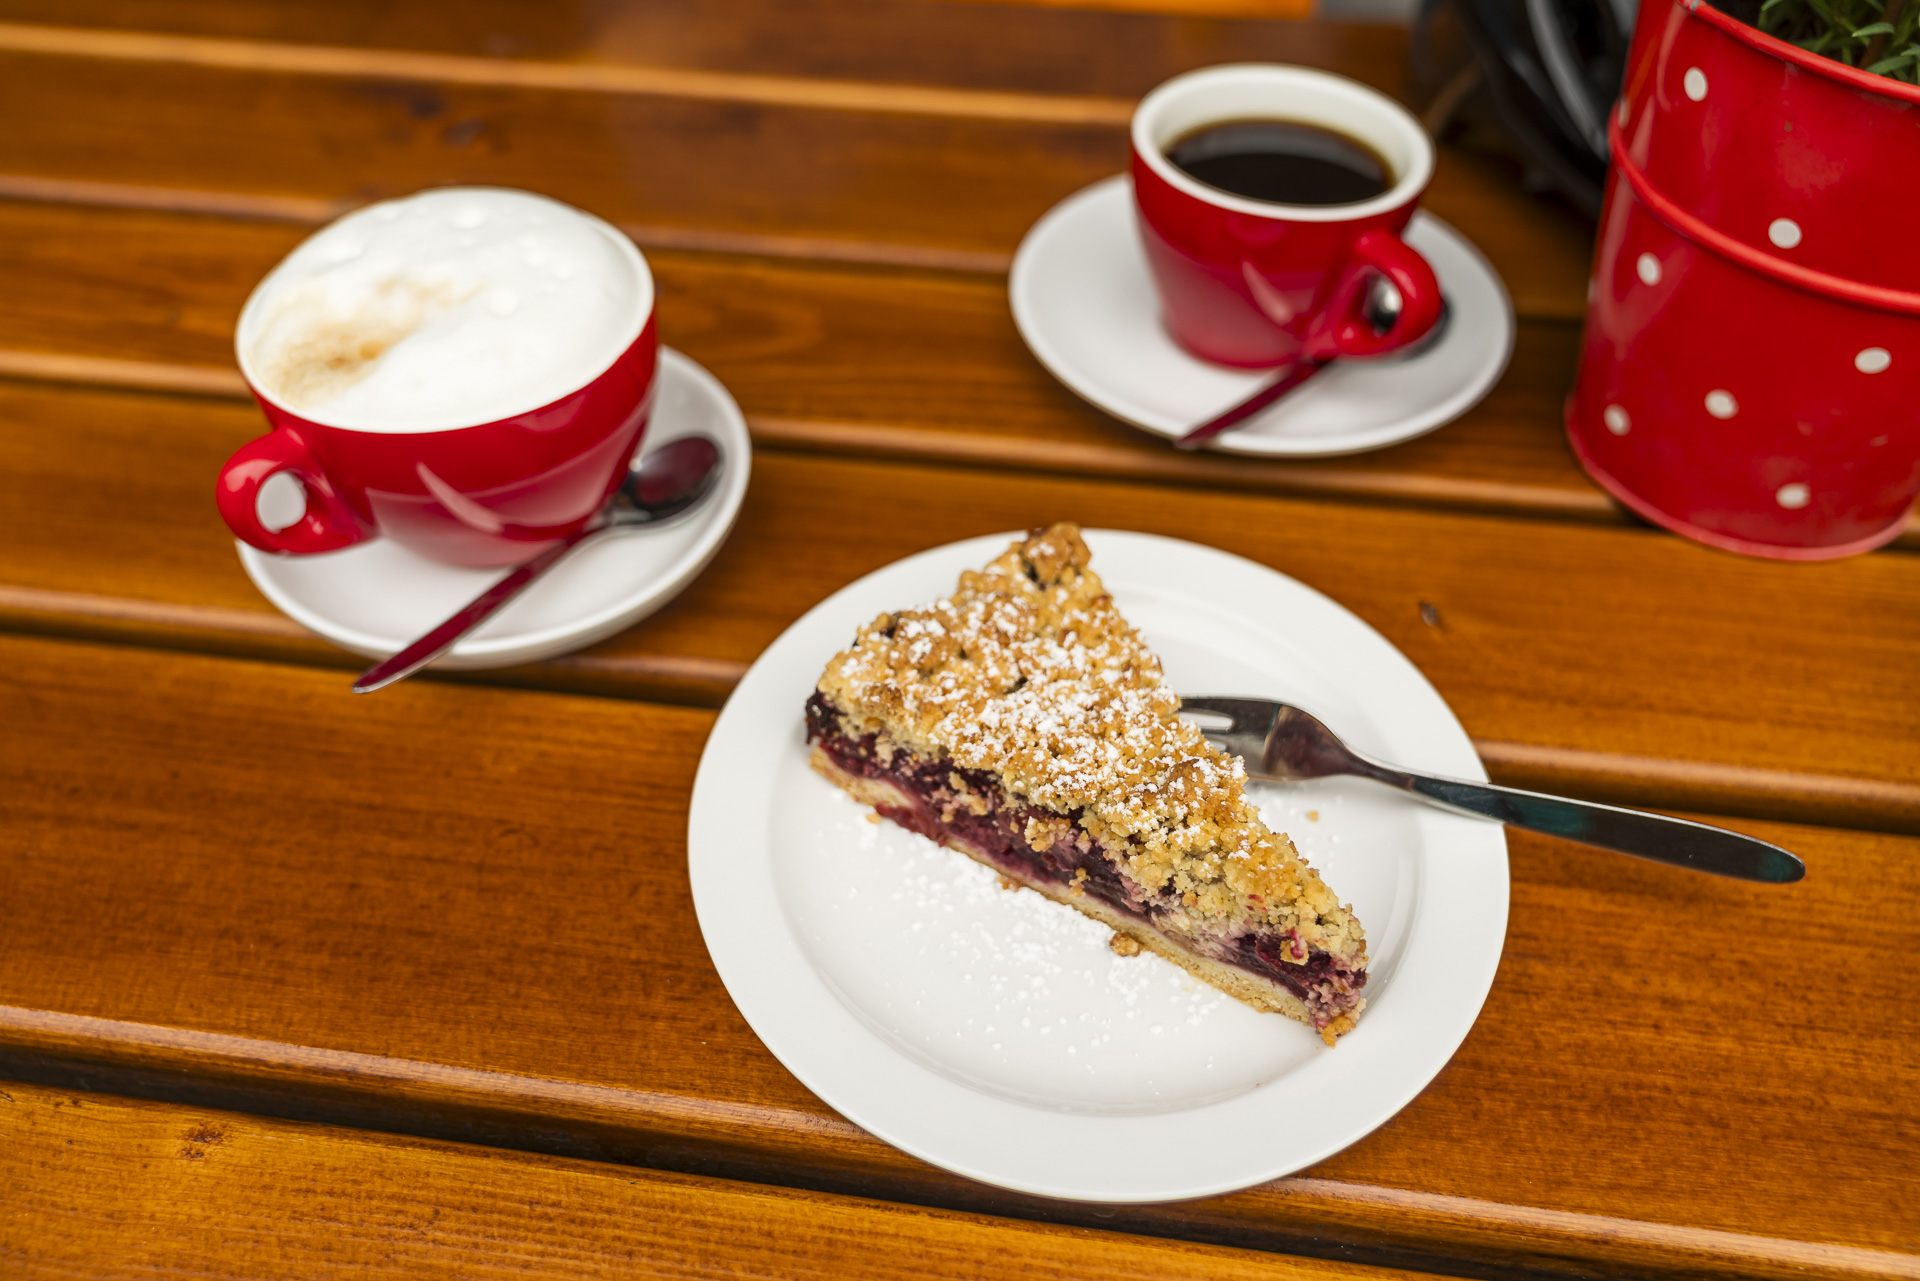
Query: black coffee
{"type": "Point", "coordinates": [1282, 161]}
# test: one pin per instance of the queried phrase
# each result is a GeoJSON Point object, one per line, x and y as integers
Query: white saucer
{"type": "Point", "coordinates": [994, 1033]}
{"type": "Point", "coordinates": [377, 597]}
{"type": "Point", "coordinates": [1085, 304]}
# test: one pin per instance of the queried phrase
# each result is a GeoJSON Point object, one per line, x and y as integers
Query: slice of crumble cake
{"type": "Point", "coordinates": [1024, 723]}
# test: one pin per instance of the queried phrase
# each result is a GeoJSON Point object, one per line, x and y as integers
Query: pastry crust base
{"type": "Point", "coordinates": [1236, 983]}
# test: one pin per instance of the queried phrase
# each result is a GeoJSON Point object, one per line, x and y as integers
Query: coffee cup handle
{"type": "Point", "coordinates": [327, 524]}
{"type": "Point", "coordinates": [1381, 251]}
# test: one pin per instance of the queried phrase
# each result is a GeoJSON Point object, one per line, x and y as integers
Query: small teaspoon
{"type": "Point", "coordinates": [668, 483]}
{"type": "Point", "coordinates": [1383, 306]}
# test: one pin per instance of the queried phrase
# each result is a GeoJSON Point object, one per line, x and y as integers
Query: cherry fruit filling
{"type": "Point", "coordinates": [969, 808]}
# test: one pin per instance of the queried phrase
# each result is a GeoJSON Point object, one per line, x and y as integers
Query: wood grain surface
{"type": "Point", "coordinates": [1587, 637]}
{"type": "Point", "coordinates": [907, 365]}
{"type": "Point", "coordinates": [465, 910]}
{"type": "Point", "coordinates": [458, 911]}
{"type": "Point", "coordinates": [970, 170]}
{"type": "Point", "coordinates": [929, 363]}
{"type": "Point", "coordinates": [959, 45]}
{"type": "Point", "coordinates": [105, 1187]}
{"type": "Point", "coordinates": [866, 363]}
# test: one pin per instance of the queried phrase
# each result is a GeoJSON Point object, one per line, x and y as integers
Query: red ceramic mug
{"type": "Point", "coordinates": [1257, 284]}
{"type": "Point", "coordinates": [479, 476]}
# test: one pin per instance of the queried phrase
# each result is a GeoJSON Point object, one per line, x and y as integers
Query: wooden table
{"type": "Point", "coordinates": [293, 983]}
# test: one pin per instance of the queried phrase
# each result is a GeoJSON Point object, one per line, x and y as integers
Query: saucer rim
{"type": "Point", "coordinates": [1073, 375]}
{"type": "Point", "coordinates": [655, 591]}
{"type": "Point", "coordinates": [1321, 1106]}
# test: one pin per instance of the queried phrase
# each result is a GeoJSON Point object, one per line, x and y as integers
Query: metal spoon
{"type": "Point", "coordinates": [1281, 743]}
{"type": "Point", "coordinates": [1382, 308]}
{"type": "Point", "coordinates": [668, 483]}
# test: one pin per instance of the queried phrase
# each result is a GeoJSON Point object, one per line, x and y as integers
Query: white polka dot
{"type": "Point", "coordinates": [1649, 268]}
{"type": "Point", "coordinates": [1793, 497]}
{"type": "Point", "coordinates": [1784, 232]}
{"type": "Point", "coordinates": [1873, 360]}
{"type": "Point", "coordinates": [1695, 82]}
{"type": "Point", "coordinates": [1616, 420]}
{"type": "Point", "coordinates": [1878, 441]}
{"type": "Point", "coordinates": [1721, 404]}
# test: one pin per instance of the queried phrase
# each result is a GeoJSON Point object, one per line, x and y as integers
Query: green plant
{"type": "Point", "coordinates": [1880, 36]}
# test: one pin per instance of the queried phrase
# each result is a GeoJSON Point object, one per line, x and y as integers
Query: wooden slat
{"type": "Point", "coordinates": [464, 911]}
{"type": "Point", "coordinates": [824, 360]}
{"type": "Point", "coordinates": [1653, 782]}
{"type": "Point", "coordinates": [952, 182]}
{"type": "Point", "coordinates": [862, 362]}
{"type": "Point", "coordinates": [359, 62]}
{"type": "Point", "coordinates": [107, 1187]}
{"type": "Point", "coordinates": [1069, 439]}
{"type": "Point", "coordinates": [957, 45]}
{"type": "Point", "coordinates": [827, 171]}
{"type": "Point", "coordinates": [310, 212]}
{"type": "Point", "coordinates": [1593, 638]}
{"type": "Point", "coordinates": [445, 912]}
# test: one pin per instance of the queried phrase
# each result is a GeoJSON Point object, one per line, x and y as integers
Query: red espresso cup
{"type": "Point", "coordinates": [488, 465]}
{"type": "Point", "coordinates": [1257, 284]}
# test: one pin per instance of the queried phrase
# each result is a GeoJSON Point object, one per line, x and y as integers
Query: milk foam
{"type": "Point", "coordinates": [445, 309]}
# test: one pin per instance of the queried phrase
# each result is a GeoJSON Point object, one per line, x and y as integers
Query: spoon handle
{"type": "Point", "coordinates": [1650, 836]}
{"type": "Point", "coordinates": [1206, 431]}
{"type": "Point", "coordinates": [465, 619]}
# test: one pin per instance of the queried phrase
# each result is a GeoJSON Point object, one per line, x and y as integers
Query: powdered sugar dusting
{"type": "Point", "coordinates": [1029, 672]}
{"type": "Point", "coordinates": [1004, 990]}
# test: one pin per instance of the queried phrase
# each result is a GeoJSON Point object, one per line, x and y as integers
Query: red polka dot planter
{"type": "Point", "coordinates": [1750, 375]}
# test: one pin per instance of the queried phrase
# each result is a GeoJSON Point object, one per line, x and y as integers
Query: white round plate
{"type": "Point", "coordinates": [377, 597]}
{"type": "Point", "coordinates": [993, 1032]}
{"type": "Point", "coordinates": [1085, 304]}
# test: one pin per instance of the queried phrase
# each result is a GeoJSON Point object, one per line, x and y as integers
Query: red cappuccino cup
{"type": "Point", "coordinates": [467, 371]}
{"type": "Point", "coordinates": [1271, 202]}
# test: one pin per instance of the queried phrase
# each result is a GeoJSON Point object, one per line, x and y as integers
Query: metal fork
{"type": "Point", "coordinates": [1281, 743]}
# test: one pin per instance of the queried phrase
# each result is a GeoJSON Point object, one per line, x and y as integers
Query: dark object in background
{"type": "Point", "coordinates": [1545, 71]}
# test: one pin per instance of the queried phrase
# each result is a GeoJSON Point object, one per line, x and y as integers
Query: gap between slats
{"type": "Point", "coordinates": [1828, 800]}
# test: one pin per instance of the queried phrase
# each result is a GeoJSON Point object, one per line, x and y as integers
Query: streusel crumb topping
{"type": "Point", "coordinates": [1028, 671]}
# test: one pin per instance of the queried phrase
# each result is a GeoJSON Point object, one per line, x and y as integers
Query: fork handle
{"type": "Point", "coordinates": [1650, 836]}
